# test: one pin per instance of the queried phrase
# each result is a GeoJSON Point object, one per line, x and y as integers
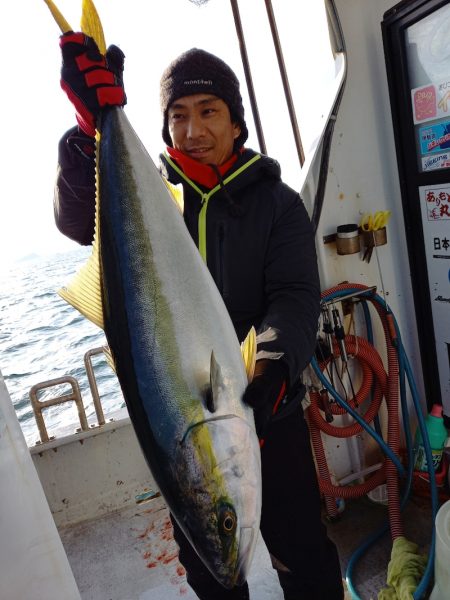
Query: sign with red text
{"type": "Point", "coordinates": [435, 210]}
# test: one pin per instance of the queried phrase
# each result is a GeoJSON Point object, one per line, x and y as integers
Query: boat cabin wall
{"type": "Point", "coordinates": [363, 178]}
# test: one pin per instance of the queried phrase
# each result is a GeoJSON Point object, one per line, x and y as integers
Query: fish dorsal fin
{"type": "Point", "coordinates": [84, 292]}
{"type": "Point", "coordinates": [176, 192]}
{"type": "Point", "coordinates": [91, 25]}
{"type": "Point", "coordinates": [248, 349]}
{"type": "Point", "coordinates": [216, 382]}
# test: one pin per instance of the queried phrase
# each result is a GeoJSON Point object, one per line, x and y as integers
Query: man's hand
{"type": "Point", "coordinates": [90, 80]}
{"type": "Point", "coordinates": [265, 392]}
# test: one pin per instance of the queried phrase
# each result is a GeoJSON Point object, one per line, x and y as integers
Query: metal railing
{"type": "Point", "coordinates": [39, 406]}
{"type": "Point", "coordinates": [93, 383]}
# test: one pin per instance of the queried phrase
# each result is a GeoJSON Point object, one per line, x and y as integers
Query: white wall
{"type": "Point", "coordinates": [363, 177]}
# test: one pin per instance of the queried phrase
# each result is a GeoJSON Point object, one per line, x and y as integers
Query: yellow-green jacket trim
{"type": "Point", "coordinates": [205, 197]}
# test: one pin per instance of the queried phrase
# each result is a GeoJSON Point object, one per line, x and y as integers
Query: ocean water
{"type": "Point", "coordinates": [43, 338]}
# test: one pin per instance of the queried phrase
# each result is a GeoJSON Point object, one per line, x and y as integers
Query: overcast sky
{"type": "Point", "coordinates": [35, 112]}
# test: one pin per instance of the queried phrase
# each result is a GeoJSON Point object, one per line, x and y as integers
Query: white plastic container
{"type": "Point", "coordinates": [441, 590]}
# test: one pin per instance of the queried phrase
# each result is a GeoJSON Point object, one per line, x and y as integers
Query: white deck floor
{"type": "Point", "coordinates": [131, 555]}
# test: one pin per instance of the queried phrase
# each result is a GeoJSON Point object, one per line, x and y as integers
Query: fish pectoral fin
{"type": "Point", "coordinates": [248, 349]}
{"type": "Point", "coordinates": [216, 382]}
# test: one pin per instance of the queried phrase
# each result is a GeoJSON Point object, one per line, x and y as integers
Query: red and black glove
{"type": "Point", "coordinates": [266, 391]}
{"type": "Point", "coordinates": [90, 80]}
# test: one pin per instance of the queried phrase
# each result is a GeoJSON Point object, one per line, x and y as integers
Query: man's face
{"type": "Point", "coordinates": [200, 126]}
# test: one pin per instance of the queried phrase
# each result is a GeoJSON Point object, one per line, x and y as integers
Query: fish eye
{"type": "Point", "coordinates": [229, 523]}
{"type": "Point", "coordinates": [227, 520]}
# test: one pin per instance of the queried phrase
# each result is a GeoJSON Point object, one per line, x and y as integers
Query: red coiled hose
{"type": "Point", "coordinates": [386, 385]}
{"type": "Point", "coordinates": [371, 365]}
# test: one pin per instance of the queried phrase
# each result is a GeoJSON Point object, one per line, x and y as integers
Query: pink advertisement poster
{"type": "Point", "coordinates": [431, 102]}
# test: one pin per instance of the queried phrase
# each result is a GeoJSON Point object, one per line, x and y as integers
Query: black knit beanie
{"type": "Point", "coordinates": [199, 72]}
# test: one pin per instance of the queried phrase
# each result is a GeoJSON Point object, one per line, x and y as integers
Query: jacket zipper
{"type": "Point", "coordinates": [205, 198]}
{"type": "Point", "coordinates": [202, 222]}
{"type": "Point", "coordinates": [220, 275]}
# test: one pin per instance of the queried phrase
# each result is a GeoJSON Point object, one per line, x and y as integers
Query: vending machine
{"type": "Point", "coordinates": [416, 38]}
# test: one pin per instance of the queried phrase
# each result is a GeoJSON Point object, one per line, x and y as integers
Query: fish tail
{"type": "Point", "coordinates": [60, 20]}
{"type": "Point", "coordinates": [90, 22]}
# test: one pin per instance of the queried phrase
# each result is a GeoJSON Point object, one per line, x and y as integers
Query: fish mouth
{"type": "Point", "coordinates": [230, 567]}
{"type": "Point", "coordinates": [238, 575]}
{"type": "Point", "coordinates": [246, 538]}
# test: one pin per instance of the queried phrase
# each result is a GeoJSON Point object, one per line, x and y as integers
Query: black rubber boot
{"type": "Point", "coordinates": [296, 589]}
{"type": "Point", "coordinates": [307, 561]}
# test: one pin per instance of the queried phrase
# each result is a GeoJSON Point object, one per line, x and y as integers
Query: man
{"type": "Point", "coordinates": [255, 237]}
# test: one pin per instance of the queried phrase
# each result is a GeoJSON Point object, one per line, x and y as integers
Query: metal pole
{"type": "Point", "coordinates": [284, 77]}
{"type": "Point", "coordinates": [93, 383]}
{"type": "Point", "coordinates": [248, 76]}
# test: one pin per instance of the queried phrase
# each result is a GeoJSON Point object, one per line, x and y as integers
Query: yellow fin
{"type": "Point", "coordinates": [84, 292]}
{"type": "Point", "coordinates": [248, 349]}
{"type": "Point", "coordinates": [177, 194]}
{"type": "Point", "coordinates": [109, 357]}
{"type": "Point", "coordinates": [60, 20]}
{"type": "Point", "coordinates": [91, 24]}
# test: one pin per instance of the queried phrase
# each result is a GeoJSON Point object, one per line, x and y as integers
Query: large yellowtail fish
{"type": "Point", "coordinates": [174, 348]}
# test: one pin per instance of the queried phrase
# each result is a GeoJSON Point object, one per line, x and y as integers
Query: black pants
{"type": "Point", "coordinates": [291, 524]}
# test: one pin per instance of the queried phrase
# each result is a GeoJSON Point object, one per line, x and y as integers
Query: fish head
{"type": "Point", "coordinates": [220, 467]}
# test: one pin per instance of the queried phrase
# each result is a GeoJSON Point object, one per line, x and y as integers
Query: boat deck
{"type": "Point", "coordinates": [359, 521]}
{"type": "Point", "coordinates": [131, 555]}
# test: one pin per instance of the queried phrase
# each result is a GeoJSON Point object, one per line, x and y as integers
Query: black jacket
{"type": "Point", "coordinates": [259, 245]}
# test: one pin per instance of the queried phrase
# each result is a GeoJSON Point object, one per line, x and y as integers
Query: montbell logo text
{"type": "Point", "coordinates": [198, 82]}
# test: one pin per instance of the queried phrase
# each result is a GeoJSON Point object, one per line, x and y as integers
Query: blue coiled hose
{"type": "Point", "coordinates": [404, 370]}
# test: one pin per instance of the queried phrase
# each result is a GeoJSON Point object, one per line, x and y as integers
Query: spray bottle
{"type": "Point", "coordinates": [437, 434]}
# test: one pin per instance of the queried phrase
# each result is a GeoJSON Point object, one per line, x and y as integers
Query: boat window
{"type": "Point", "coordinates": [428, 51]}
{"type": "Point", "coordinates": [313, 72]}
{"type": "Point", "coordinates": [160, 36]}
